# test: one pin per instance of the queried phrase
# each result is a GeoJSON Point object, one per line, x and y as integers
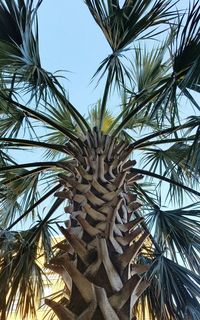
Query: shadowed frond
{"type": "Point", "coordinates": [24, 190]}
{"type": "Point", "coordinates": [21, 276]}
{"type": "Point", "coordinates": [177, 231]}
{"type": "Point", "coordinates": [19, 48]}
{"type": "Point", "coordinates": [186, 64]}
{"type": "Point", "coordinates": [19, 187]}
{"type": "Point", "coordinates": [174, 292]}
{"type": "Point", "coordinates": [172, 162]}
{"type": "Point", "coordinates": [20, 61]}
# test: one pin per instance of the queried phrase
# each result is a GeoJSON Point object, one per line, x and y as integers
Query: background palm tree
{"type": "Point", "coordinates": [111, 204]}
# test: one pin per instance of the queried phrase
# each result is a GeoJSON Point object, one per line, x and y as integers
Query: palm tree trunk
{"type": "Point", "coordinates": [103, 238]}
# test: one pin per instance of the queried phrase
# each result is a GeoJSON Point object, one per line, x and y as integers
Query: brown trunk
{"type": "Point", "coordinates": [103, 238]}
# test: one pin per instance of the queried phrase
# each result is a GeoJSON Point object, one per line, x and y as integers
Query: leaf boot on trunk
{"type": "Point", "coordinates": [103, 235]}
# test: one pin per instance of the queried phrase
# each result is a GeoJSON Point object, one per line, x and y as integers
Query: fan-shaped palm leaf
{"type": "Point", "coordinates": [175, 292]}
{"type": "Point", "coordinates": [187, 56]}
{"type": "Point", "coordinates": [178, 231]}
{"type": "Point", "coordinates": [21, 275]}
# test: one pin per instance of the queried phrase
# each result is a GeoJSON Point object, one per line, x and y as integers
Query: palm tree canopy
{"type": "Point", "coordinates": [154, 84]}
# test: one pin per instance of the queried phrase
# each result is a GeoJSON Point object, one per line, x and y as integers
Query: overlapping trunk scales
{"type": "Point", "coordinates": [103, 237]}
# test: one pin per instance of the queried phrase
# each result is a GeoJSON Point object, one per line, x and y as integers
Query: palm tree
{"type": "Point", "coordinates": [124, 255]}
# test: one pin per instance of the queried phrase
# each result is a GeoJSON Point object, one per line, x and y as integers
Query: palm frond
{"type": "Point", "coordinates": [23, 190]}
{"type": "Point", "coordinates": [38, 116]}
{"type": "Point", "coordinates": [149, 68]}
{"type": "Point", "coordinates": [173, 163]}
{"type": "Point", "coordinates": [94, 117]}
{"type": "Point", "coordinates": [192, 123]}
{"type": "Point", "coordinates": [177, 231]}
{"type": "Point", "coordinates": [17, 193]}
{"type": "Point", "coordinates": [13, 143]}
{"type": "Point", "coordinates": [21, 276]}
{"type": "Point", "coordinates": [163, 97]}
{"type": "Point", "coordinates": [35, 205]}
{"type": "Point", "coordinates": [186, 64]}
{"type": "Point", "coordinates": [19, 49]}
{"type": "Point", "coordinates": [163, 178]}
{"type": "Point", "coordinates": [62, 117]}
{"type": "Point", "coordinates": [174, 293]}
{"type": "Point", "coordinates": [123, 24]}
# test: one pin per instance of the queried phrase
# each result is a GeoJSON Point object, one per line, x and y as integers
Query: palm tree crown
{"type": "Point", "coordinates": [105, 180]}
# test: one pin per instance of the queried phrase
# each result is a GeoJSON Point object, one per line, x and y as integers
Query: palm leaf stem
{"type": "Point", "coordinates": [81, 122]}
{"type": "Point", "coordinates": [143, 223]}
{"type": "Point", "coordinates": [34, 205]}
{"type": "Point", "coordinates": [190, 97]}
{"type": "Point", "coordinates": [144, 226]}
{"type": "Point", "coordinates": [28, 143]}
{"type": "Point", "coordinates": [105, 96]}
{"type": "Point", "coordinates": [53, 208]}
{"type": "Point", "coordinates": [158, 176]}
{"type": "Point", "coordinates": [47, 165]}
{"type": "Point", "coordinates": [129, 116]}
{"type": "Point", "coordinates": [159, 133]}
{"type": "Point", "coordinates": [164, 90]}
{"type": "Point", "coordinates": [167, 141]}
{"type": "Point", "coordinates": [20, 176]}
{"type": "Point", "coordinates": [42, 118]}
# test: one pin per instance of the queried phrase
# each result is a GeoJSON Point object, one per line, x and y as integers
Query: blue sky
{"type": "Point", "coordinates": [71, 40]}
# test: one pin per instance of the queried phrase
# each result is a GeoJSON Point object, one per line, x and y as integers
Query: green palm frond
{"type": "Point", "coordinates": [19, 49]}
{"type": "Point", "coordinates": [194, 150]}
{"type": "Point", "coordinates": [12, 121]}
{"type": "Point", "coordinates": [174, 292]}
{"type": "Point", "coordinates": [34, 206]}
{"type": "Point", "coordinates": [151, 77]}
{"type": "Point", "coordinates": [62, 117]}
{"type": "Point", "coordinates": [163, 94]}
{"type": "Point", "coordinates": [171, 180]}
{"type": "Point", "coordinates": [177, 231]}
{"type": "Point", "coordinates": [146, 194]}
{"type": "Point", "coordinates": [187, 127]}
{"type": "Point", "coordinates": [149, 68]}
{"type": "Point", "coordinates": [36, 115]}
{"type": "Point", "coordinates": [23, 190]}
{"type": "Point", "coordinates": [186, 64]}
{"type": "Point", "coordinates": [173, 163]}
{"type": "Point", "coordinates": [128, 119]}
{"type": "Point", "coordinates": [20, 61]}
{"type": "Point", "coordinates": [121, 25]}
{"type": "Point", "coordinates": [21, 275]}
